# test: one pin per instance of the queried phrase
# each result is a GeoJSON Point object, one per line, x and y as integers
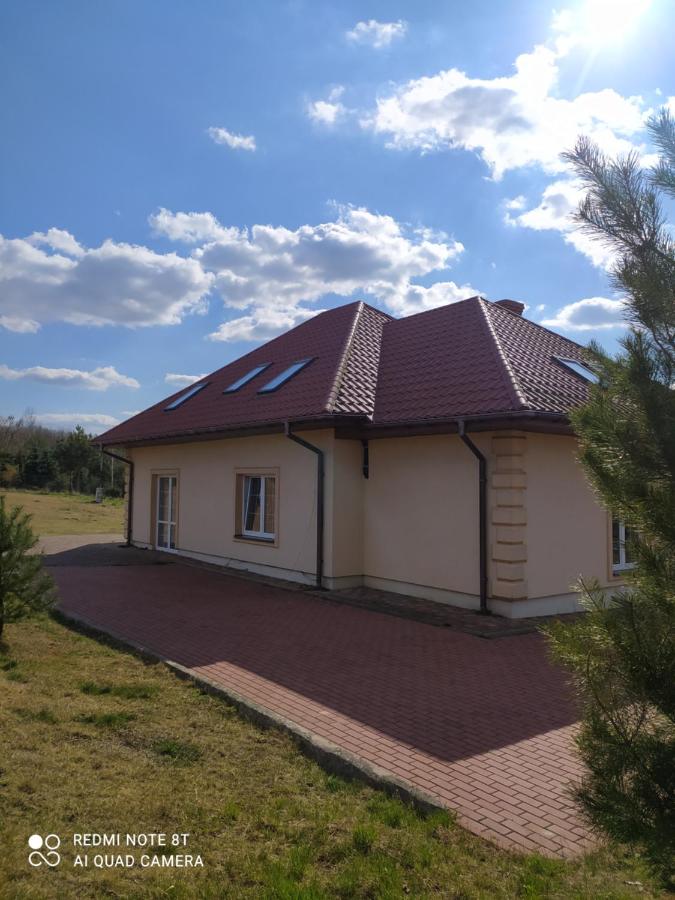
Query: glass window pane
{"type": "Point", "coordinates": [240, 382]}
{"type": "Point", "coordinates": [270, 505]}
{"type": "Point", "coordinates": [628, 550]}
{"type": "Point", "coordinates": [616, 543]}
{"type": "Point", "coordinates": [252, 501]}
{"type": "Point", "coordinates": [172, 505]}
{"type": "Point", "coordinates": [186, 396]}
{"type": "Point", "coordinates": [163, 508]}
{"type": "Point", "coordinates": [172, 537]}
{"type": "Point", "coordinates": [284, 376]}
{"type": "Point", "coordinates": [161, 535]}
{"type": "Point", "coordinates": [580, 369]}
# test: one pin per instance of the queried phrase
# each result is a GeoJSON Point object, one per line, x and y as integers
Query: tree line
{"type": "Point", "coordinates": [32, 456]}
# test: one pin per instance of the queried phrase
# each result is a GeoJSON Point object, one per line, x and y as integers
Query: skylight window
{"type": "Point", "coordinates": [249, 376]}
{"type": "Point", "coordinates": [579, 368]}
{"type": "Point", "coordinates": [186, 396]}
{"type": "Point", "coordinates": [284, 376]}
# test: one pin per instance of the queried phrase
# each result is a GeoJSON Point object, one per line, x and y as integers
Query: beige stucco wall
{"type": "Point", "coordinates": [421, 512]}
{"type": "Point", "coordinates": [346, 492]}
{"type": "Point", "coordinates": [412, 526]}
{"type": "Point", "coordinates": [414, 520]}
{"type": "Point", "coordinates": [567, 528]}
{"type": "Point", "coordinates": [206, 511]}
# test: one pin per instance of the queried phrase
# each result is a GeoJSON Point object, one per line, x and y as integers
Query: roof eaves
{"type": "Point", "coordinates": [527, 419]}
{"type": "Point", "coordinates": [327, 420]}
{"type": "Point", "coordinates": [517, 394]}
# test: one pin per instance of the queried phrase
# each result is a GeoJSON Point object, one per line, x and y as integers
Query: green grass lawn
{"type": "Point", "coordinates": [93, 739]}
{"type": "Point", "coordinates": [61, 513]}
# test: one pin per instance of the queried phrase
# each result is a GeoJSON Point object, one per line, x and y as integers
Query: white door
{"type": "Point", "coordinates": [167, 488]}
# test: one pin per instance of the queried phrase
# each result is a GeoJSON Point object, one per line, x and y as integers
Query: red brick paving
{"type": "Point", "coordinates": [483, 726]}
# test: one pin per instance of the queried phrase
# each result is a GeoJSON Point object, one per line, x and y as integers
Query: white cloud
{"type": "Point", "coordinates": [515, 203]}
{"type": "Point", "coordinates": [114, 284]}
{"type": "Point", "coordinates": [19, 325]}
{"type": "Point", "coordinates": [329, 111]}
{"type": "Point", "coordinates": [376, 34]}
{"type": "Point", "coordinates": [266, 323]}
{"type": "Point", "coordinates": [590, 314]}
{"type": "Point", "coordinates": [99, 379]}
{"type": "Point", "coordinates": [57, 239]}
{"type": "Point", "coordinates": [271, 272]}
{"type": "Point", "coordinates": [559, 201]}
{"type": "Point", "coordinates": [234, 141]}
{"type": "Point", "coordinates": [93, 423]}
{"type": "Point", "coordinates": [181, 380]}
{"type": "Point", "coordinates": [510, 121]}
{"type": "Point", "coordinates": [416, 298]}
{"type": "Point", "coordinates": [190, 228]}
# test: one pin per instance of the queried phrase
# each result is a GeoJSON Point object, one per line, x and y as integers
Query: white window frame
{"type": "Point", "coordinates": [622, 565]}
{"type": "Point", "coordinates": [246, 532]}
{"type": "Point", "coordinates": [172, 505]}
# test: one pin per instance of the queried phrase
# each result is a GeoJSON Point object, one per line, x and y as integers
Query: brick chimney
{"type": "Point", "coordinates": [514, 306]}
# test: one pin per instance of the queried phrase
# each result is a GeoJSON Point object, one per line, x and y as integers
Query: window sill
{"type": "Point", "coordinates": [250, 539]}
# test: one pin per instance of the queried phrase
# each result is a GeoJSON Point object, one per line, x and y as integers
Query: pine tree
{"type": "Point", "coordinates": [622, 653]}
{"type": "Point", "coordinates": [25, 587]}
{"type": "Point", "coordinates": [39, 467]}
{"type": "Point", "coordinates": [73, 454]}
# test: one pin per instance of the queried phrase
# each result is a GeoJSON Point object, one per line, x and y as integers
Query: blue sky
{"type": "Point", "coordinates": [181, 181]}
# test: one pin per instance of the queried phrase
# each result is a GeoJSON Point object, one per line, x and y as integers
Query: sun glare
{"type": "Point", "coordinates": [610, 21]}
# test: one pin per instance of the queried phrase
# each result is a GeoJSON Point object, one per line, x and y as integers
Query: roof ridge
{"type": "Point", "coordinates": [377, 310]}
{"type": "Point", "coordinates": [334, 391]}
{"type": "Point", "coordinates": [512, 383]}
{"type": "Point", "coordinates": [424, 312]}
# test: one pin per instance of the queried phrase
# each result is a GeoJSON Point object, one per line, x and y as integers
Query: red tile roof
{"type": "Point", "coordinates": [472, 358]}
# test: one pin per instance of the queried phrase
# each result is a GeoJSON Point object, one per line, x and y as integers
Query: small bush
{"type": "Point", "coordinates": [25, 587]}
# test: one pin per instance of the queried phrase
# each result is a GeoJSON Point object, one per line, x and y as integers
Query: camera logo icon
{"type": "Point", "coordinates": [49, 844]}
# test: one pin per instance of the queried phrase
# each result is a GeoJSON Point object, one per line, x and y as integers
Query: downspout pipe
{"type": "Point", "coordinates": [320, 490]}
{"type": "Point", "coordinates": [482, 514]}
{"type": "Point", "coordinates": [130, 500]}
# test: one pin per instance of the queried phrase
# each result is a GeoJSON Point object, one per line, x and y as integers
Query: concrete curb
{"type": "Point", "coordinates": [328, 755]}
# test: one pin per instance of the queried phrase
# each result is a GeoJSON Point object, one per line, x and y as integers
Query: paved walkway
{"type": "Point", "coordinates": [483, 726]}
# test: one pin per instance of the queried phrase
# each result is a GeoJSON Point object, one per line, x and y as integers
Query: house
{"type": "Point", "coordinates": [430, 455]}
